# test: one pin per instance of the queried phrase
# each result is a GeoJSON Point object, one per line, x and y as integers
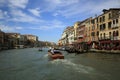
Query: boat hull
{"type": "Point", "coordinates": [55, 56]}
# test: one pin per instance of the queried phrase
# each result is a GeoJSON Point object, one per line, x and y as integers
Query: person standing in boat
{"type": "Point", "coordinates": [52, 50]}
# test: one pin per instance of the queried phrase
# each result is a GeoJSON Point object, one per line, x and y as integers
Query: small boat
{"type": "Point", "coordinates": [56, 55]}
{"type": "Point", "coordinates": [40, 49]}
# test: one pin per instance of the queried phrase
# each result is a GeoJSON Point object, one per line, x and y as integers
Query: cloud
{"type": "Point", "coordinates": [18, 3]}
{"type": "Point", "coordinates": [20, 16]}
{"type": "Point", "coordinates": [35, 11]}
{"type": "Point", "coordinates": [3, 14]}
{"type": "Point", "coordinates": [16, 11]}
{"type": "Point", "coordinates": [50, 25]}
{"type": "Point", "coordinates": [89, 8]}
{"type": "Point", "coordinates": [73, 8]}
{"type": "Point", "coordinates": [2, 2]}
{"type": "Point", "coordinates": [52, 5]}
{"type": "Point", "coordinates": [14, 3]}
{"type": "Point", "coordinates": [55, 14]}
{"type": "Point", "coordinates": [9, 28]}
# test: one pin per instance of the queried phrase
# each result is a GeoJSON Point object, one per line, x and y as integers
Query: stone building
{"type": "Point", "coordinates": [13, 39]}
{"type": "Point", "coordinates": [2, 36]}
{"type": "Point", "coordinates": [32, 40]}
{"type": "Point", "coordinates": [76, 25]}
{"type": "Point", "coordinates": [109, 25]}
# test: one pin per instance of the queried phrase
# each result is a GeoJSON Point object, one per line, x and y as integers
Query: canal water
{"type": "Point", "coordinates": [31, 64]}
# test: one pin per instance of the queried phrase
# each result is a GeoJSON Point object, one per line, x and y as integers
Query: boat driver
{"type": "Point", "coordinates": [52, 50]}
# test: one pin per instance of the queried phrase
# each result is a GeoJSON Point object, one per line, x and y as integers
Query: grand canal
{"type": "Point", "coordinates": [30, 64]}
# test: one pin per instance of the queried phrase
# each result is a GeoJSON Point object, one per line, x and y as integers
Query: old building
{"type": "Point", "coordinates": [76, 25]}
{"type": "Point", "coordinates": [70, 33]}
{"type": "Point", "coordinates": [59, 42]}
{"type": "Point", "coordinates": [23, 39]}
{"type": "Point", "coordinates": [32, 40]}
{"type": "Point", "coordinates": [94, 32]}
{"type": "Point", "coordinates": [2, 36]}
{"type": "Point", "coordinates": [109, 24]}
{"type": "Point", "coordinates": [81, 32]}
{"type": "Point", "coordinates": [100, 32]}
{"type": "Point", "coordinates": [88, 30]}
{"type": "Point", "coordinates": [13, 39]}
{"type": "Point", "coordinates": [64, 38]}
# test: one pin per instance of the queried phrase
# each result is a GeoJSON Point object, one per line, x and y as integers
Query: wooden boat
{"type": "Point", "coordinates": [55, 55]}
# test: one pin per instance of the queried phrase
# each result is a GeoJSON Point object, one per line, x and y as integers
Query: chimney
{"type": "Point", "coordinates": [105, 10]}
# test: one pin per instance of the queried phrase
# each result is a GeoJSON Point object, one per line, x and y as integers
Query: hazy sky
{"type": "Point", "coordinates": [48, 18]}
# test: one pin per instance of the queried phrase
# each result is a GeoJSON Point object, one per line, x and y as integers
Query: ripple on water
{"type": "Point", "coordinates": [77, 67]}
{"type": "Point", "coordinates": [45, 56]}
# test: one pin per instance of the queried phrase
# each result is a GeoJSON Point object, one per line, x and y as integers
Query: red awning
{"type": "Point", "coordinates": [108, 41]}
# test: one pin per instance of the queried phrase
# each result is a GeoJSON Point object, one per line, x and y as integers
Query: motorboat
{"type": "Point", "coordinates": [55, 55]}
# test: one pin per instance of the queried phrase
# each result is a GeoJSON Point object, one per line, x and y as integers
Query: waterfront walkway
{"type": "Point", "coordinates": [105, 51]}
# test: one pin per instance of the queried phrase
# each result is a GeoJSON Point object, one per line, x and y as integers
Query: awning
{"type": "Point", "coordinates": [107, 41]}
{"type": "Point", "coordinates": [116, 41]}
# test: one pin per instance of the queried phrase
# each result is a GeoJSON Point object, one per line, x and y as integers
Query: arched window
{"type": "Point", "coordinates": [114, 33]}
{"type": "Point", "coordinates": [117, 33]}
{"type": "Point", "coordinates": [101, 36]}
{"type": "Point", "coordinates": [110, 35]}
{"type": "Point", "coordinates": [104, 35]}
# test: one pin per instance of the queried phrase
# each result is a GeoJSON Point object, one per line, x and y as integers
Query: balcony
{"type": "Point", "coordinates": [81, 29]}
{"type": "Point", "coordinates": [80, 36]}
{"type": "Point", "coordinates": [115, 26]}
{"type": "Point", "coordinates": [109, 38]}
{"type": "Point", "coordinates": [105, 38]}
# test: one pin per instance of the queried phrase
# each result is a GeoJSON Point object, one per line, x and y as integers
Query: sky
{"type": "Point", "coordinates": [47, 19]}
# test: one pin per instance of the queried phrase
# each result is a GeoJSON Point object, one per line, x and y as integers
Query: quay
{"type": "Point", "coordinates": [105, 51]}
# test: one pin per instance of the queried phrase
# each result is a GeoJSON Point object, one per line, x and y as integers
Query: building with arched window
{"type": "Point", "coordinates": [109, 25]}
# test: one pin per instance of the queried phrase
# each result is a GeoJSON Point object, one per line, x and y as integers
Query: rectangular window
{"type": "Point", "coordinates": [109, 15]}
{"type": "Point", "coordinates": [100, 19]}
{"type": "Point", "coordinates": [116, 21]}
{"type": "Point", "coordinates": [104, 26]}
{"type": "Point", "coordinates": [97, 33]}
{"type": "Point", "coordinates": [103, 18]}
{"type": "Point", "coordinates": [100, 27]}
{"type": "Point", "coordinates": [92, 21]}
{"type": "Point", "coordinates": [109, 25]}
{"type": "Point", "coordinates": [93, 34]}
{"type": "Point", "coordinates": [113, 21]}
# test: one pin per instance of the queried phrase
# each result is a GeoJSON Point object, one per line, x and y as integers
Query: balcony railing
{"type": "Point", "coordinates": [110, 38]}
{"type": "Point", "coordinates": [80, 36]}
{"type": "Point", "coordinates": [115, 26]}
{"type": "Point", "coordinates": [104, 38]}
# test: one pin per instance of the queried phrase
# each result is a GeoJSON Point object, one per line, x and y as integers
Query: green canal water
{"type": "Point", "coordinates": [30, 64]}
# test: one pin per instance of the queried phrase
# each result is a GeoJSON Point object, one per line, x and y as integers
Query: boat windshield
{"type": "Point", "coordinates": [57, 52]}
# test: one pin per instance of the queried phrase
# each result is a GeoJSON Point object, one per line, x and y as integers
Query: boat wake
{"type": "Point", "coordinates": [45, 56]}
{"type": "Point", "coordinates": [77, 67]}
